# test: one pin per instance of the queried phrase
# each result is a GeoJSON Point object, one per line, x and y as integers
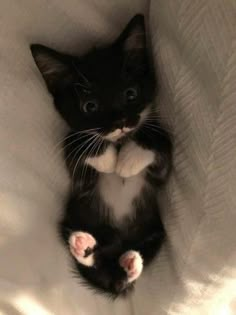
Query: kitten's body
{"type": "Point", "coordinates": [111, 223]}
{"type": "Point", "coordinates": [119, 194]}
{"type": "Point", "coordinates": [120, 212]}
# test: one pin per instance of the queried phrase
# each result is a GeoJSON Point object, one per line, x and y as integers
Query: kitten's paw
{"type": "Point", "coordinates": [132, 262]}
{"type": "Point", "coordinates": [133, 159]}
{"type": "Point", "coordinates": [106, 162]}
{"type": "Point", "coordinates": [81, 247]}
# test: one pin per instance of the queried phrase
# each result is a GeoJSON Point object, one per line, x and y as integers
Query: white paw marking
{"type": "Point", "coordinates": [79, 242]}
{"type": "Point", "coordinates": [106, 162]}
{"type": "Point", "coordinates": [133, 159]}
{"type": "Point", "coordinates": [132, 263]}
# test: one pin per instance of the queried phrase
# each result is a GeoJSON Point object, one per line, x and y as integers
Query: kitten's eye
{"type": "Point", "coordinates": [131, 94]}
{"type": "Point", "coordinates": [90, 107]}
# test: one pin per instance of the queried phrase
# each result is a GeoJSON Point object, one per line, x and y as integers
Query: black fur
{"type": "Point", "coordinates": [102, 77]}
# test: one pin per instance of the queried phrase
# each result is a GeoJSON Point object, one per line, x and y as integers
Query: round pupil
{"type": "Point", "coordinates": [131, 94]}
{"type": "Point", "coordinates": [90, 107]}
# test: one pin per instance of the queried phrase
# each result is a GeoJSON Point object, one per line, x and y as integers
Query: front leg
{"type": "Point", "coordinates": [150, 150]}
{"type": "Point", "coordinates": [81, 152]}
{"type": "Point", "coordinates": [105, 161]}
{"type": "Point", "coordinates": [133, 159]}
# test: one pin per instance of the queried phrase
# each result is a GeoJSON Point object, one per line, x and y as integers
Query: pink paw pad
{"type": "Point", "coordinates": [81, 246]}
{"type": "Point", "coordinates": [132, 263]}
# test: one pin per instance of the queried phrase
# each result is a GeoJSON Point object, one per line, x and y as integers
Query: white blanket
{"type": "Point", "coordinates": [194, 46]}
{"type": "Point", "coordinates": [194, 49]}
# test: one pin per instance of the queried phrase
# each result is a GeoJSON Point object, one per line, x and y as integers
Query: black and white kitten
{"type": "Point", "coordinates": [117, 154]}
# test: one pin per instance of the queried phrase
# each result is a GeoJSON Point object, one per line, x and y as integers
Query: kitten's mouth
{"type": "Point", "coordinates": [118, 133]}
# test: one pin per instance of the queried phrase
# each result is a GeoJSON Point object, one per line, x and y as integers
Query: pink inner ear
{"type": "Point", "coordinates": [135, 40]}
{"type": "Point", "coordinates": [134, 34]}
{"type": "Point", "coordinates": [49, 66]}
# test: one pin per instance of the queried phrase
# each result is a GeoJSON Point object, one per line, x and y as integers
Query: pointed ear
{"type": "Point", "coordinates": [133, 37]}
{"type": "Point", "coordinates": [53, 66]}
{"type": "Point", "coordinates": [133, 46]}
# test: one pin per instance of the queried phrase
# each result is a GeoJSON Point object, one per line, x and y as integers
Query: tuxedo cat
{"type": "Point", "coordinates": [117, 154]}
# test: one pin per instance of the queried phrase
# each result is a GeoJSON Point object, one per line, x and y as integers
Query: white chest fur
{"type": "Point", "coordinates": [119, 193]}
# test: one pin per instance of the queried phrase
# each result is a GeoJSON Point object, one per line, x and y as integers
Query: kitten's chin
{"type": "Point", "coordinates": [118, 134]}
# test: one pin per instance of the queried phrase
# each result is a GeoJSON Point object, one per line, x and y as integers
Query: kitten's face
{"type": "Point", "coordinates": [108, 91]}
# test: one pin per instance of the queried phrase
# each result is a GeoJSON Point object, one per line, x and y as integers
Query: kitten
{"type": "Point", "coordinates": [117, 154]}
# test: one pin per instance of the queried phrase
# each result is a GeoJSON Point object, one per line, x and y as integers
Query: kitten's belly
{"type": "Point", "coordinates": [118, 193]}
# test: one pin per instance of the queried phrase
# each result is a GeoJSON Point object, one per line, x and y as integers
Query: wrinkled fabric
{"type": "Point", "coordinates": [193, 46]}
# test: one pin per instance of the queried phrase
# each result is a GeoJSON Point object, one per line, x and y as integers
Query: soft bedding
{"type": "Point", "coordinates": [194, 46]}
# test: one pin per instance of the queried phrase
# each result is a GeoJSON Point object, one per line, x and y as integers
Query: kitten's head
{"type": "Point", "coordinates": [109, 90]}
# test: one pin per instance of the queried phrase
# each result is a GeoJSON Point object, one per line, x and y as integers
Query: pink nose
{"type": "Point", "coordinates": [120, 123]}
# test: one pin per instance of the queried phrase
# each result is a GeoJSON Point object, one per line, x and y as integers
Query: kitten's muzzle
{"type": "Point", "coordinates": [129, 122]}
{"type": "Point", "coordinates": [120, 124]}
{"type": "Point", "coordinates": [118, 133]}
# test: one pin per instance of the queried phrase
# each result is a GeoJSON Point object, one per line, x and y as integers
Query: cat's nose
{"type": "Point", "coordinates": [120, 123]}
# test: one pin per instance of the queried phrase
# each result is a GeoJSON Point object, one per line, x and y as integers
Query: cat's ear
{"type": "Point", "coordinates": [133, 38]}
{"type": "Point", "coordinates": [133, 45]}
{"type": "Point", "coordinates": [53, 66]}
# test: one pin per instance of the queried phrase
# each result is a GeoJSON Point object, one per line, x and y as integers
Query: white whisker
{"type": "Point", "coordinates": [85, 167]}
{"type": "Point", "coordinates": [78, 149]}
{"type": "Point", "coordinates": [153, 129]}
{"type": "Point", "coordinates": [84, 152]}
{"type": "Point", "coordinates": [60, 150]}
{"type": "Point", "coordinates": [75, 134]}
